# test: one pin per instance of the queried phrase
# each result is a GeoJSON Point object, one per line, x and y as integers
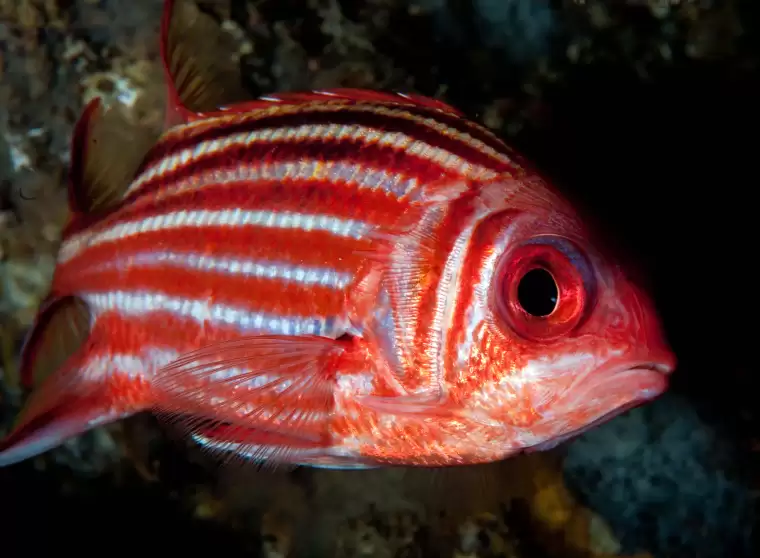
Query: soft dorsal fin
{"type": "Point", "coordinates": [347, 95]}
{"type": "Point", "coordinates": [61, 328]}
{"type": "Point", "coordinates": [200, 77]}
{"type": "Point", "coordinates": [106, 151]}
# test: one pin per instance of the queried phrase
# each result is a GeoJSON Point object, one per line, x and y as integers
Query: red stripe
{"type": "Point", "coordinates": [483, 241]}
{"type": "Point", "coordinates": [307, 196]}
{"type": "Point", "coordinates": [457, 217]}
{"type": "Point", "coordinates": [395, 162]}
{"type": "Point", "coordinates": [295, 194]}
{"type": "Point", "coordinates": [314, 248]}
{"type": "Point", "coordinates": [163, 330]}
{"type": "Point", "coordinates": [466, 126]}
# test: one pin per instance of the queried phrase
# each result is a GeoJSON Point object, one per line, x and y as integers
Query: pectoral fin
{"type": "Point", "coordinates": [266, 397]}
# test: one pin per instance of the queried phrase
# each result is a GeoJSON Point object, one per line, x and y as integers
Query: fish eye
{"type": "Point", "coordinates": [537, 292]}
{"type": "Point", "coordinates": [545, 288]}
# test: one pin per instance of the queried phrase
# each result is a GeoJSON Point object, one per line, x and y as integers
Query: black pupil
{"type": "Point", "coordinates": [537, 292]}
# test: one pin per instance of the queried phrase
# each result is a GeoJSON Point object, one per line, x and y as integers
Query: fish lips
{"type": "Point", "coordinates": [644, 381]}
{"type": "Point", "coordinates": [647, 379]}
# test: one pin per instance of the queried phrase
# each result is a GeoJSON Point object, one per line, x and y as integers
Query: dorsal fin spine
{"type": "Point", "coordinates": [176, 111]}
{"type": "Point", "coordinates": [78, 162]}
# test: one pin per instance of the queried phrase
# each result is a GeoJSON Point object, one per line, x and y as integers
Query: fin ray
{"type": "Point", "coordinates": [198, 81]}
{"type": "Point", "coordinates": [62, 326]}
{"type": "Point", "coordinates": [250, 391]}
{"type": "Point", "coordinates": [345, 94]}
{"type": "Point", "coordinates": [106, 153]}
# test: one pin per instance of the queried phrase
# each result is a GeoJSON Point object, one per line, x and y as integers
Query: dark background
{"type": "Point", "coordinates": [663, 153]}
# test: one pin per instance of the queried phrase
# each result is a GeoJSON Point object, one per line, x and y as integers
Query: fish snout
{"type": "Point", "coordinates": [633, 316]}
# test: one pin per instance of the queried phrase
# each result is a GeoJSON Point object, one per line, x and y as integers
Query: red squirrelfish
{"type": "Point", "coordinates": [341, 278]}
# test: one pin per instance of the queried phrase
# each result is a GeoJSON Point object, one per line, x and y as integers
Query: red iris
{"type": "Point", "coordinates": [545, 289]}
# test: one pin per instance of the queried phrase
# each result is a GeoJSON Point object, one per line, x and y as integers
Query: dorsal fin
{"type": "Point", "coordinates": [61, 328]}
{"type": "Point", "coordinates": [346, 94]}
{"type": "Point", "coordinates": [202, 80]}
{"type": "Point", "coordinates": [200, 77]}
{"type": "Point", "coordinates": [106, 151]}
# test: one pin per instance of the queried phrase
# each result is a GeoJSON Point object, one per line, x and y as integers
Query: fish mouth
{"type": "Point", "coordinates": [660, 367]}
{"type": "Point", "coordinates": [646, 380]}
{"type": "Point", "coordinates": [650, 381]}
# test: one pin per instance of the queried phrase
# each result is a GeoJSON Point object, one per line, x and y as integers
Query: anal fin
{"type": "Point", "coordinates": [41, 428]}
{"type": "Point", "coordinates": [230, 443]}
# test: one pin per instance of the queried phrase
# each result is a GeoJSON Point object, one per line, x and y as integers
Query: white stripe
{"type": "Point", "coordinates": [131, 365]}
{"type": "Point", "coordinates": [329, 132]}
{"type": "Point", "coordinates": [490, 201]}
{"type": "Point", "coordinates": [479, 306]}
{"type": "Point", "coordinates": [407, 322]}
{"type": "Point", "coordinates": [306, 222]}
{"type": "Point", "coordinates": [447, 296]}
{"type": "Point", "coordinates": [283, 271]}
{"type": "Point", "coordinates": [340, 172]}
{"type": "Point", "coordinates": [498, 197]}
{"type": "Point", "coordinates": [204, 312]}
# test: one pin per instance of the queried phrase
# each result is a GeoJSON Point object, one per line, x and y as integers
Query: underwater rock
{"type": "Point", "coordinates": [659, 475]}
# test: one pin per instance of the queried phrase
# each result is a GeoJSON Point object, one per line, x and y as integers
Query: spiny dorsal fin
{"type": "Point", "coordinates": [61, 328]}
{"type": "Point", "coordinates": [345, 95]}
{"type": "Point", "coordinates": [106, 151]}
{"type": "Point", "coordinates": [355, 95]}
{"type": "Point", "coordinates": [200, 75]}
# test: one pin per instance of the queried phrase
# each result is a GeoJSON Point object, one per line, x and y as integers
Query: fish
{"type": "Point", "coordinates": [340, 278]}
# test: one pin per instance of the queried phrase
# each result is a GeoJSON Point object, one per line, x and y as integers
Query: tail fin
{"type": "Point", "coordinates": [71, 393]}
{"type": "Point", "coordinates": [53, 416]}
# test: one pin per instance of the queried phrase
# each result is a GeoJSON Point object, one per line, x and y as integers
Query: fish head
{"type": "Point", "coordinates": [563, 338]}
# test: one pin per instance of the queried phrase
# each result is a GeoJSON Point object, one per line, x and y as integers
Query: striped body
{"type": "Point", "coordinates": [343, 278]}
{"type": "Point", "coordinates": [254, 223]}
